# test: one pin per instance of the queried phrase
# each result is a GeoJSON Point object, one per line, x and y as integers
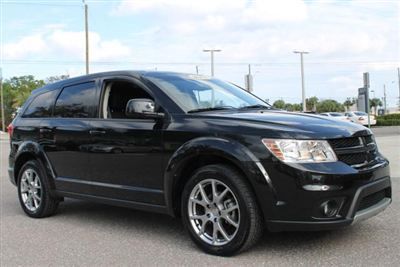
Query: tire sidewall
{"type": "Point", "coordinates": [213, 172]}
{"type": "Point", "coordinates": [36, 166]}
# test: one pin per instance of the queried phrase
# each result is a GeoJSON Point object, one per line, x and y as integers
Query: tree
{"type": "Point", "coordinates": [16, 90]}
{"type": "Point", "coordinates": [374, 103]}
{"type": "Point", "coordinates": [279, 104]}
{"type": "Point", "coordinates": [329, 105]}
{"type": "Point", "coordinates": [349, 102]}
{"type": "Point", "coordinates": [311, 103]}
{"type": "Point", "coordinates": [53, 79]}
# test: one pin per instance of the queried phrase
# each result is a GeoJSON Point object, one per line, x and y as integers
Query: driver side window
{"type": "Point", "coordinates": [116, 95]}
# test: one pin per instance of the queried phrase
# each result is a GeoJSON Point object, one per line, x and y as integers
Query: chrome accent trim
{"type": "Point", "coordinates": [322, 187]}
{"type": "Point", "coordinates": [372, 211]}
{"type": "Point", "coordinates": [264, 172]}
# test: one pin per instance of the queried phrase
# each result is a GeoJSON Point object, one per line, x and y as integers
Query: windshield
{"type": "Point", "coordinates": [334, 114]}
{"type": "Point", "coordinates": [195, 92]}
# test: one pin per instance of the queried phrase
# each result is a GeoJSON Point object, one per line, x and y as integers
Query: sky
{"type": "Point", "coordinates": [343, 38]}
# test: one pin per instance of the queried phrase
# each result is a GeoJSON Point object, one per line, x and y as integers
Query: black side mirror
{"type": "Point", "coordinates": [141, 108]}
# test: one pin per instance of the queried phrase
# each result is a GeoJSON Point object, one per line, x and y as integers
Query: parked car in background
{"type": "Point", "coordinates": [336, 115]}
{"type": "Point", "coordinates": [361, 117]}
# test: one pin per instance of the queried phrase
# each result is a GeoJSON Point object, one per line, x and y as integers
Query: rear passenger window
{"type": "Point", "coordinates": [42, 105]}
{"type": "Point", "coordinates": [77, 101]}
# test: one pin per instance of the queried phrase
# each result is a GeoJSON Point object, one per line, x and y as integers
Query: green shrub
{"type": "Point", "coordinates": [388, 120]}
{"type": "Point", "coordinates": [394, 116]}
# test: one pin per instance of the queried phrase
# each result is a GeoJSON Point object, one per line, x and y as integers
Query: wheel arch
{"type": "Point", "coordinates": [32, 151]}
{"type": "Point", "coordinates": [204, 151]}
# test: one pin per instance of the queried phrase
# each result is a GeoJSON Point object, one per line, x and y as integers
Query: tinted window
{"type": "Point", "coordinates": [77, 101]}
{"type": "Point", "coordinates": [42, 105]}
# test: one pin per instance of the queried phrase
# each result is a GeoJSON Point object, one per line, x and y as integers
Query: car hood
{"type": "Point", "coordinates": [288, 124]}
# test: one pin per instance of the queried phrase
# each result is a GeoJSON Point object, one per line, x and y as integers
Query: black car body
{"type": "Point", "coordinates": [144, 162]}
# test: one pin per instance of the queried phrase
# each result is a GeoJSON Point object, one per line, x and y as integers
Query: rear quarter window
{"type": "Point", "coordinates": [42, 105]}
{"type": "Point", "coordinates": [77, 101]}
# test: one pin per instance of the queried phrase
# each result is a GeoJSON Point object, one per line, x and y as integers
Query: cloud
{"type": "Point", "coordinates": [55, 42]}
{"type": "Point", "coordinates": [25, 46]}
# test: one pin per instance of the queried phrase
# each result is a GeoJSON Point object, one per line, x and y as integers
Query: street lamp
{"type": "Point", "coordinates": [303, 90]}
{"type": "Point", "coordinates": [212, 51]}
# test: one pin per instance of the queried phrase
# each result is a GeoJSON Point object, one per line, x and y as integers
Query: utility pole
{"type": "Point", "coordinates": [86, 36]}
{"type": "Point", "coordinates": [398, 77]}
{"type": "Point", "coordinates": [303, 90]}
{"type": "Point", "coordinates": [3, 125]}
{"type": "Point", "coordinates": [212, 51]}
{"type": "Point", "coordinates": [384, 99]}
{"type": "Point", "coordinates": [197, 70]}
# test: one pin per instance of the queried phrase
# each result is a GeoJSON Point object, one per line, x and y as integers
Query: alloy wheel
{"type": "Point", "coordinates": [214, 212]}
{"type": "Point", "coordinates": [31, 190]}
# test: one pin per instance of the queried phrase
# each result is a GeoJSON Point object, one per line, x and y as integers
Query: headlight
{"type": "Point", "coordinates": [300, 151]}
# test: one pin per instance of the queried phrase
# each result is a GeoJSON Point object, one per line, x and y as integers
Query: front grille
{"type": "Point", "coordinates": [371, 200]}
{"type": "Point", "coordinates": [353, 159]}
{"type": "Point", "coordinates": [355, 151]}
{"type": "Point", "coordinates": [345, 142]}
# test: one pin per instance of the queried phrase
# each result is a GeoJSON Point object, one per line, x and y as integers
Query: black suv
{"type": "Point", "coordinates": [196, 147]}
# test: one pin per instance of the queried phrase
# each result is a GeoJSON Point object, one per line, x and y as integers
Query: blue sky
{"type": "Point", "coordinates": [345, 39]}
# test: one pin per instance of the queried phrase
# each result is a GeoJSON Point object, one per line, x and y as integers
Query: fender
{"type": "Point", "coordinates": [35, 150]}
{"type": "Point", "coordinates": [231, 150]}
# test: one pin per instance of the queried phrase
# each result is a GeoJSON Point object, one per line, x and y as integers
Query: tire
{"type": "Point", "coordinates": [234, 211]}
{"type": "Point", "coordinates": [33, 183]}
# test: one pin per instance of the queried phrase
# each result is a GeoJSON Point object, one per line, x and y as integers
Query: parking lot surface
{"type": "Point", "coordinates": [89, 234]}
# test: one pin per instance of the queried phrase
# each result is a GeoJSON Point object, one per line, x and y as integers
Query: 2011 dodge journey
{"type": "Point", "coordinates": [196, 147]}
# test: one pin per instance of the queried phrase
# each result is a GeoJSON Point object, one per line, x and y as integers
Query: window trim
{"type": "Point", "coordinates": [103, 86]}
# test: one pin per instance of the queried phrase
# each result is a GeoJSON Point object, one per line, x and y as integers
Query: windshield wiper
{"type": "Point", "coordinates": [257, 106]}
{"type": "Point", "coordinates": [210, 109]}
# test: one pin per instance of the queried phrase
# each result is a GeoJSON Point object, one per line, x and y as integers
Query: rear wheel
{"type": "Point", "coordinates": [219, 211]}
{"type": "Point", "coordinates": [34, 191]}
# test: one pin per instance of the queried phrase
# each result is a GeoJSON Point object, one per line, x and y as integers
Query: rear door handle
{"type": "Point", "coordinates": [97, 132]}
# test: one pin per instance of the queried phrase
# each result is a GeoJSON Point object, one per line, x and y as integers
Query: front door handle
{"type": "Point", "coordinates": [97, 132]}
{"type": "Point", "coordinates": [45, 130]}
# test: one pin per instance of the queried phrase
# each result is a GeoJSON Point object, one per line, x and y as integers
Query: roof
{"type": "Point", "coordinates": [133, 73]}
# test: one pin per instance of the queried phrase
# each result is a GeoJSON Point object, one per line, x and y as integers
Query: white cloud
{"type": "Point", "coordinates": [70, 44]}
{"type": "Point", "coordinates": [25, 46]}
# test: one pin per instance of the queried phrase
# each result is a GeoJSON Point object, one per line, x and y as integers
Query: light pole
{"type": "Point", "coordinates": [3, 125]}
{"type": "Point", "coordinates": [86, 36]}
{"type": "Point", "coordinates": [303, 90]}
{"type": "Point", "coordinates": [212, 51]}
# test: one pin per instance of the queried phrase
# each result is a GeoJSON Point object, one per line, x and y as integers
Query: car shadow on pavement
{"type": "Point", "coordinates": [131, 222]}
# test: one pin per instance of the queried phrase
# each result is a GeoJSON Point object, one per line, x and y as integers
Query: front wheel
{"type": "Point", "coordinates": [219, 211]}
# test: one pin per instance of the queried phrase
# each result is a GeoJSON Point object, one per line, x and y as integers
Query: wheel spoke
{"type": "Point", "coordinates": [222, 231]}
{"type": "Point", "coordinates": [232, 208]}
{"type": "Point", "coordinates": [223, 194]}
{"type": "Point", "coordinates": [203, 194]}
{"type": "Point", "coordinates": [199, 202]}
{"type": "Point", "coordinates": [229, 220]}
{"type": "Point", "coordinates": [24, 186]}
{"type": "Point", "coordinates": [28, 174]}
{"type": "Point", "coordinates": [36, 202]}
{"type": "Point", "coordinates": [214, 191]}
{"type": "Point", "coordinates": [215, 232]}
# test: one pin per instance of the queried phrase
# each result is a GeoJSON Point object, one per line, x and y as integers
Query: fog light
{"type": "Point", "coordinates": [330, 208]}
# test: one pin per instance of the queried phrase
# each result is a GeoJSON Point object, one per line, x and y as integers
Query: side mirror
{"type": "Point", "coordinates": [141, 108]}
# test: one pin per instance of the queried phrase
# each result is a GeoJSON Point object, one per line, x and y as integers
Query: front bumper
{"type": "Point", "coordinates": [356, 212]}
{"type": "Point", "coordinates": [300, 191]}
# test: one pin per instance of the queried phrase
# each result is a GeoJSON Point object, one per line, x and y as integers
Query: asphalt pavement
{"type": "Point", "coordinates": [89, 234]}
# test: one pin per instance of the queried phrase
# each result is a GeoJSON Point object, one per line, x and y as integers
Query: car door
{"type": "Point", "coordinates": [126, 155]}
{"type": "Point", "coordinates": [65, 136]}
